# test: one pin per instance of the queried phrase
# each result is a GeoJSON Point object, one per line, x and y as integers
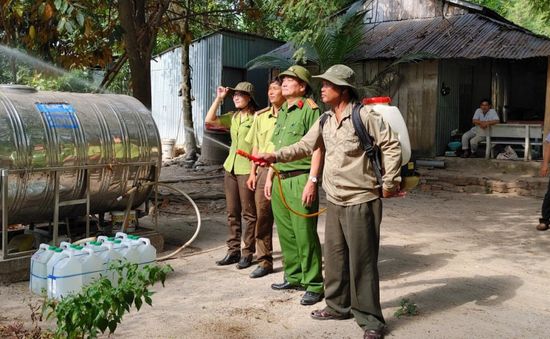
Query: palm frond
{"type": "Point", "coordinates": [269, 61]}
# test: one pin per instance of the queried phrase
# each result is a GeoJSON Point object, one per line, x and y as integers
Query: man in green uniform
{"type": "Point", "coordinates": [298, 237]}
{"type": "Point", "coordinates": [354, 213]}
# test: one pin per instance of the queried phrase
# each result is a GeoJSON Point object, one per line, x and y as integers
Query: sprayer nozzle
{"type": "Point", "coordinates": [251, 157]}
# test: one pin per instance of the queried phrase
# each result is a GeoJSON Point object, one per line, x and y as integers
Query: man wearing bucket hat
{"type": "Point", "coordinates": [352, 229]}
{"type": "Point", "coordinates": [300, 245]}
{"type": "Point", "coordinates": [240, 202]}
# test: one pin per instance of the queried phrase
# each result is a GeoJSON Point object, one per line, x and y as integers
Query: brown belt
{"type": "Point", "coordinates": [290, 174]}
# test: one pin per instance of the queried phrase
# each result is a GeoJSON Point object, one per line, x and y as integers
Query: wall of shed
{"type": "Point", "coordinates": [216, 59]}
{"type": "Point", "coordinates": [415, 93]}
{"type": "Point", "coordinates": [390, 10]}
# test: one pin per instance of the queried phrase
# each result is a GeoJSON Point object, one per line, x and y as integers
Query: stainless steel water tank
{"type": "Point", "coordinates": [106, 139]}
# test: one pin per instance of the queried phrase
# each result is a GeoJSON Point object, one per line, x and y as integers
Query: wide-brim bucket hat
{"type": "Point", "coordinates": [340, 75]}
{"type": "Point", "coordinates": [245, 87]}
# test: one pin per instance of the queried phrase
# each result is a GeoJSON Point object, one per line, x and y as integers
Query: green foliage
{"type": "Point", "coordinates": [100, 306]}
{"type": "Point", "coordinates": [407, 308]}
{"type": "Point", "coordinates": [335, 44]}
{"type": "Point", "coordinates": [531, 14]}
{"type": "Point", "coordinates": [302, 19]}
{"type": "Point", "coordinates": [75, 81]}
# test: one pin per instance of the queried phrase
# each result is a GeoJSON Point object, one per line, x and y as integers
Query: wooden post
{"type": "Point", "coordinates": [547, 106]}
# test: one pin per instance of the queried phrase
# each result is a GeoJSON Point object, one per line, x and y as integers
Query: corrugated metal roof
{"type": "Point", "coordinates": [468, 36]}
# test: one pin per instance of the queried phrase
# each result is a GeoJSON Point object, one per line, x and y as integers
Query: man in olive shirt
{"type": "Point", "coordinates": [300, 245]}
{"type": "Point", "coordinates": [352, 229]}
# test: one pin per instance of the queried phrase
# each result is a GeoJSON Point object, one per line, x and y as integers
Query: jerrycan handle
{"type": "Point", "coordinates": [43, 246]}
{"type": "Point", "coordinates": [146, 241]}
{"type": "Point", "coordinates": [121, 235]}
{"type": "Point", "coordinates": [102, 238]}
{"type": "Point", "coordinates": [64, 244]}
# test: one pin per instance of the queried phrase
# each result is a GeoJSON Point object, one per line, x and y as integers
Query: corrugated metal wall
{"type": "Point", "coordinates": [208, 57]}
{"type": "Point", "coordinates": [165, 103]}
{"type": "Point", "coordinates": [206, 76]}
{"type": "Point", "coordinates": [415, 94]}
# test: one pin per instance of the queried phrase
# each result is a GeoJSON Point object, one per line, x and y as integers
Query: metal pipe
{"type": "Point", "coordinates": [431, 163]}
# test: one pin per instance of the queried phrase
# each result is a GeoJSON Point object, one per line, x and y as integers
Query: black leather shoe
{"type": "Point", "coordinates": [260, 272]}
{"type": "Point", "coordinates": [244, 263]}
{"type": "Point", "coordinates": [285, 285]}
{"type": "Point", "coordinates": [230, 258]}
{"type": "Point", "coordinates": [311, 298]}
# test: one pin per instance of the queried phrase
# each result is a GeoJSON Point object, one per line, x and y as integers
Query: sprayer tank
{"type": "Point", "coordinates": [110, 141]}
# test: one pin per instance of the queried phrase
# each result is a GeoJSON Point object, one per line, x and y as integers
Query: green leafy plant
{"type": "Point", "coordinates": [100, 306]}
{"type": "Point", "coordinates": [407, 308]}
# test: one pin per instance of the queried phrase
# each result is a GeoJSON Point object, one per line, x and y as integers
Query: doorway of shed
{"type": "Point", "coordinates": [516, 88]}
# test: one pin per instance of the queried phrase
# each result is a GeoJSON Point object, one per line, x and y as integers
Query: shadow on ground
{"type": "Point", "coordinates": [404, 261]}
{"type": "Point", "coordinates": [445, 294]}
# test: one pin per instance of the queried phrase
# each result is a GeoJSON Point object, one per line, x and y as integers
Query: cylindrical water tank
{"type": "Point", "coordinates": [109, 140]}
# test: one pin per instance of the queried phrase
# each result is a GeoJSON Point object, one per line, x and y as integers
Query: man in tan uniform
{"type": "Point", "coordinates": [352, 229]}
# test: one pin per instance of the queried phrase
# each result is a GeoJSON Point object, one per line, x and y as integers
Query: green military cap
{"type": "Point", "coordinates": [340, 75]}
{"type": "Point", "coordinates": [297, 72]}
{"type": "Point", "coordinates": [245, 87]}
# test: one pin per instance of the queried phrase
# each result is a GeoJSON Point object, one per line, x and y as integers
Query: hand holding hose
{"type": "Point", "coordinates": [265, 159]}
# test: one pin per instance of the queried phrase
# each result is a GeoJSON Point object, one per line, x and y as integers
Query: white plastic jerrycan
{"type": "Point", "coordinates": [101, 252]}
{"type": "Point", "coordinates": [147, 252]}
{"type": "Point", "coordinates": [38, 280]}
{"type": "Point", "coordinates": [111, 253]}
{"type": "Point", "coordinates": [395, 119]}
{"type": "Point", "coordinates": [92, 265]}
{"type": "Point", "coordinates": [65, 272]}
{"type": "Point", "coordinates": [129, 248]}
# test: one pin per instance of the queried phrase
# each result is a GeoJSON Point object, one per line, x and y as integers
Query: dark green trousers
{"type": "Point", "coordinates": [352, 238]}
{"type": "Point", "coordinates": [298, 237]}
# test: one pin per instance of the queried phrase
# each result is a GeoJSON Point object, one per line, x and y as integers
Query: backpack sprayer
{"type": "Point", "coordinates": [278, 174]}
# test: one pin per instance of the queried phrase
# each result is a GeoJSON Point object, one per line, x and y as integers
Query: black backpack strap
{"type": "Point", "coordinates": [323, 119]}
{"type": "Point", "coordinates": [373, 153]}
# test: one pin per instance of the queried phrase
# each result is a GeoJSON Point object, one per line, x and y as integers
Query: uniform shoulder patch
{"type": "Point", "coordinates": [311, 103]}
{"type": "Point", "coordinates": [263, 110]}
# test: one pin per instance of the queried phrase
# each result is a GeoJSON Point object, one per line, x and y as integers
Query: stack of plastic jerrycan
{"type": "Point", "coordinates": [113, 253]}
{"type": "Point", "coordinates": [38, 280]}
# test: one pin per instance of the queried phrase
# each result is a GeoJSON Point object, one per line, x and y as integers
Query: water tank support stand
{"type": "Point", "coordinates": [5, 203]}
{"type": "Point", "coordinates": [59, 204]}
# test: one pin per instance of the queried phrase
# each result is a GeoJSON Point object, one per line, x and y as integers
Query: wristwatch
{"type": "Point", "coordinates": [313, 179]}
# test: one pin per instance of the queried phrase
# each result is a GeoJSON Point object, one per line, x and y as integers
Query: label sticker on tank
{"type": "Point", "coordinates": [58, 115]}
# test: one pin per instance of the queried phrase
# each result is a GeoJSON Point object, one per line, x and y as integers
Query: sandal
{"type": "Point", "coordinates": [542, 226]}
{"type": "Point", "coordinates": [324, 315]}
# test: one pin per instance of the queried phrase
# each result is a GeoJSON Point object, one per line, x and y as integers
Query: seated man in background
{"type": "Point", "coordinates": [484, 117]}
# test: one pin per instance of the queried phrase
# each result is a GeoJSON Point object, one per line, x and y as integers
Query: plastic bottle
{"type": "Point", "coordinates": [38, 280]}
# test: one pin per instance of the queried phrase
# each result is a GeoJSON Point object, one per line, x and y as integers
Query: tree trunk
{"type": "Point", "coordinates": [140, 32]}
{"type": "Point", "coordinates": [189, 131]}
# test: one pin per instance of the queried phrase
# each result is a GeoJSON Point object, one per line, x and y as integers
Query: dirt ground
{"type": "Point", "coordinates": [473, 263]}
